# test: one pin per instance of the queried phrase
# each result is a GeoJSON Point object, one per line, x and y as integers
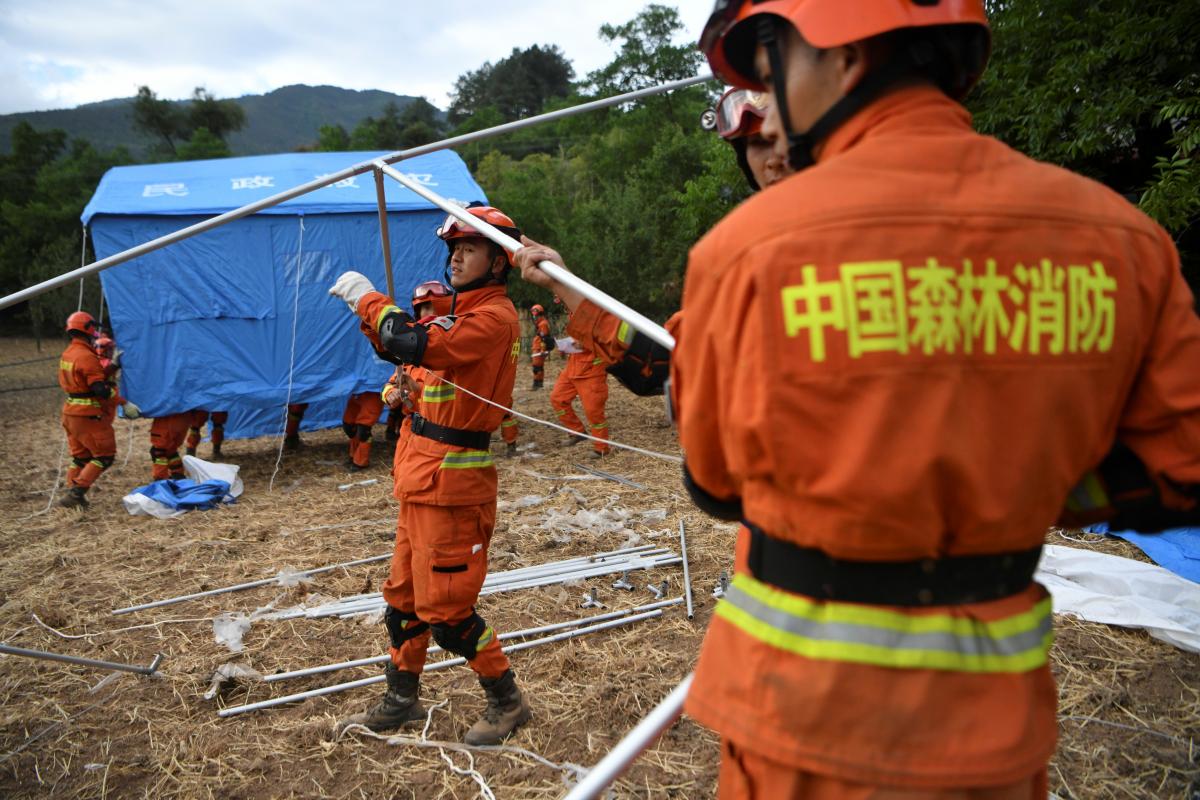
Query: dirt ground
{"type": "Point", "coordinates": [1129, 704]}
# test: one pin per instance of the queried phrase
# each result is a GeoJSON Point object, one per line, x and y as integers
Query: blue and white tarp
{"type": "Point", "coordinates": [209, 322]}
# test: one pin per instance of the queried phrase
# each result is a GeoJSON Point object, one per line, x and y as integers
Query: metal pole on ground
{"type": "Point", "coordinates": [613, 765]}
{"type": "Point", "coordinates": [329, 180]}
{"type": "Point", "coordinates": [87, 662]}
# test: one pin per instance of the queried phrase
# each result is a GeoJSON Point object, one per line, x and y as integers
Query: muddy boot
{"type": "Point", "coordinates": [291, 443]}
{"type": "Point", "coordinates": [399, 705]}
{"type": "Point", "coordinates": [506, 711]}
{"type": "Point", "coordinates": [510, 450]}
{"type": "Point", "coordinates": [537, 384]}
{"type": "Point", "coordinates": [216, 451]}
{"type": "Point", "coordinates": [74, 498]}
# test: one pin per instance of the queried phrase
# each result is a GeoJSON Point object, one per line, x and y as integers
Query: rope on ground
{"type": "Point", "coordinates": [59, 633]}
{"type": "Point", "coordinates": [651, 453]}
{"type": "Point", "coordinates": [292, 359]}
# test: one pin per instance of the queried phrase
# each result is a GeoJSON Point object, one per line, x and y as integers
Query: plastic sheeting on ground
{"type": "Point", "coordinates": [1119, 591]}
{"type": "Point", "coordinates": [207, 485]}
{"type": "Point", "coordinates": [1177, 549]}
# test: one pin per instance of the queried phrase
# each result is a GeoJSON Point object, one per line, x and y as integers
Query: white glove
{"type": "Point", "coordinates": [351, 286]}
{"type": "Point", "coordinates": [116, 357]}
{"type": "Point", "coordinates": [130, 410]}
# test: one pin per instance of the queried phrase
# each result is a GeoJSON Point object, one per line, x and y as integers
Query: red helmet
{"type": "Point", "coordinates": [425, 292]}
{"type": "Point", "coordinates": [454, 228]}
{"type": "Point", "coordinates": [740, 113]}
{"type": "Point", "coordinates": [104, 346]}
{"type": "Point", "coordinates": [536, 309]}
{"type": "Point", "coordinates": [728, 43]}
{"type": "Point", "coordinates": [81, 321]}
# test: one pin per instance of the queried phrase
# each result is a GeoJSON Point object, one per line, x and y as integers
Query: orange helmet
{"type": "Point", "coordinates": [952, 50]}
{"type": "Point", "coordinates": [453, 228]}
{"type": "Point", "coordinates": [104, 346]}
{"type": "Point", "coordinates": [728, 42]}
{"type": "Point", "coordinates": [536, 309]}
{"type": "Point", "coordinates": [81, 321]}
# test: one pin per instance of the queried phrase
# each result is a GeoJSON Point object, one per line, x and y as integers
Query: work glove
{"type": "Point", "coordinates": [130, 410]}
{"type": "Point", "coordinates": [116, 356]}
{"type": "Point", "coordinates": [392, 397]}
{"type": "Point", "coordinates": [351, 286]}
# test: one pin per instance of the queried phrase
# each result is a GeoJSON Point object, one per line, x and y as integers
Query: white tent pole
{"type": "Point", "coordinates": [610, 304]}
{"type": "Point", "coordinates": [628, 749]}
{"type": "Point", "coordinates": [328, 180]}
{"type": "Point", "coordinates": [384, 235]}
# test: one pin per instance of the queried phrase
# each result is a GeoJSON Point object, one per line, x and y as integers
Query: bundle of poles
{"type": "Point", "coordinates": [626, 751]}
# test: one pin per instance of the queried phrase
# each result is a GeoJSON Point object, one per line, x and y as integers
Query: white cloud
{"type": "Point", "coordinates": [69, 52]}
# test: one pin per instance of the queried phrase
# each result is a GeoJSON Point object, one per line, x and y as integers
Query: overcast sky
{"type": "Point", "coordinates": [62, 53]}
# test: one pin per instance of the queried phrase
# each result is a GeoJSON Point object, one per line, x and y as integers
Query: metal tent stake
{"type": "Point", "coordinates": [87, 662]}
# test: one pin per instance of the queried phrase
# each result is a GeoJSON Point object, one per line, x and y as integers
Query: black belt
{"type": "Point", "coordinates": [459, 437]}
{"type": "Point", "coordinates": [925, 582]}
{"type": "Point", "coordinates": [82, 396]}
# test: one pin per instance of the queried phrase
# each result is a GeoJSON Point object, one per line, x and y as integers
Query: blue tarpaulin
{"type": "Point", "coordinates": [207, 323]}
{"type": "Point", "coordinates": [185, 494]}
{"type": "Point", "coordinates": [1177, 549]}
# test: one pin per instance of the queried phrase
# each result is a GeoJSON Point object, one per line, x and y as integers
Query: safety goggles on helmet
{"type": "Point", "coordinates": [740, 112]}
{"type": "Point", "coordinates": [428, 290]}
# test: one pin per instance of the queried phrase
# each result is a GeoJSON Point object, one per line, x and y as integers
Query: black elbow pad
{"type": "Point", "coordinates": [100, 389]}
{"type": "Point", "coordinates": [644, 368]}
{"type": "Point", "coordinates": [729, 510]}
{"type": "Point", "coordinates": [404, 339]}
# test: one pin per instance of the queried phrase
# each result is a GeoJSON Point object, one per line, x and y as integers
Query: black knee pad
{"type": "Point", "coordinates": [348, 429]}
{"type": "Point", "coordinates": [79, 463]}
{"type": "Point", "coordinates": [364, 433]}
{"type": "Point", "coordinates": [106, 461]}
{"type": "Point", "coordinates": [463, 638]}
{"type": "Point", "coordinates": [402, 626]}
{"type": "Point", "coordinates": [158, 452]}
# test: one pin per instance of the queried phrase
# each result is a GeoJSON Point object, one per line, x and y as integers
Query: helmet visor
{"type": "Point", "coordinates": [741, 113]}
{"type": "Point", "coordinates": [429, 290]}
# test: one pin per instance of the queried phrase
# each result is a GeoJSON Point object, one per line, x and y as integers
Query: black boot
{"type": "Point", "coordinates": [400, 703]}
{"type": "Point", "coordinates": [291, 442]}
{"type": "Point", "coordinates": [191, 451]}
{"type": "Point", "coordinates": [216, 450]}
{"type": "Point", "coordinates": [537, 384]}
{"type": "Point", "coordinates": [506, 711]}
{"type": "Point", "coordinates": [74, 498]}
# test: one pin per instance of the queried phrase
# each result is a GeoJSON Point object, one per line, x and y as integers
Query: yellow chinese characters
{"type": "Point", "coordinates": [885, 306]}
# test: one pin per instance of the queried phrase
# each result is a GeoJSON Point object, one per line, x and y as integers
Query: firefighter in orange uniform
{"type": "Point", "coordinates": [927, 303]}
{"type": "Point", "coordinates": [583, 376]}
{"type": "Point", "coordinates": [445, 477]}
{"type": "Point", "coordinates": [362, 412]}
{"type": "Point", "coordinates": [89, 432]}
{"type": "Point", "coordinates": [166, 435]}
{"type": "Point", "coordinates": [216, 430]}
{"type": "Point", "coordinates": [543, 344]}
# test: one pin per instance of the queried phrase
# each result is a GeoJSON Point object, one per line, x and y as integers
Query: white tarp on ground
{"type": "Point", "coordinates": [198, 470]}
{"type": "Point", "coordinates": [1120, 591]}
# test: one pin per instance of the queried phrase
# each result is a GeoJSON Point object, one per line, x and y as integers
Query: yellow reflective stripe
{"type": "Point", "coordinates": [508, 423]}
{"type": "Point", "coordinates": [871, 635]}
{"type": "Point", "coordinates": [82, 401]}
{"type": "Point", "coordinates": [597, 361]}
{"type": "Point", "coordinates": [66, 366]}
{"type": "Point", "coordinates": [437, 393]}
{"type": "Point", "coordinates": [468, 459]}
{"type": "Point", "coordinates": [97, 462]}
{"type": "Point", "coordinates": [386, 310]}
{"type": "Point", "coordinates": [624, 333]}
{"type": "Point", "coordinates": [602, 425]}
{"type": "Point", "coordinates": [1088, 494]}
{"type": "Point", "coordinates": [485, 639]}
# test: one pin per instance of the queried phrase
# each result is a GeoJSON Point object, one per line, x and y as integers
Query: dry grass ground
{"type": "Point", "coordinates": [1130, 708]}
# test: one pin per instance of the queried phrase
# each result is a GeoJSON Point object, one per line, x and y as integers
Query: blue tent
{"type": "Point", "coordinates": [208, 322]}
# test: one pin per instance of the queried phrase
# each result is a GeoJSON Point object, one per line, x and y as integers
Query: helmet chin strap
{"type": "Point", "coordinates": [801, 145]}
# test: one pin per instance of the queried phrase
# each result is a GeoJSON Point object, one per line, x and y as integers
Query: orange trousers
{"type": "Point", "coordinates": [195, 431]}
{"type": "Point", "coordinates": [295, 414]}
{"type": "Point", "coordinates": [166, 434]}
{"type": "Point", "coordinates": [539, 366]}
{"type": "Point", "coordinates": [438, 567]}
{"type": "Point", "coordinates": [592, 391]}
{"type": "Point", "coordinates": [93, 447]}
{"type": "Point", "coordinates": [362, 411]}
{"type": "Point", "coordinates": [745, 775]}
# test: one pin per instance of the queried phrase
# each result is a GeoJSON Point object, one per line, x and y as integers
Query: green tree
{"type": "Point", "coordinates": [1110, 89]}
{"type": "Point", "coordinates": [161, 120]}
{"type": "Point", "coordinates": [517, 86]}
{"type": "Point", "coordinates": [332, 139]}
{"type": "Point", "coordinates": [219, 117]}
{"type": "Point", "coordinates": [202, 144]}
{"type": "Point", "coordinates": [176, 129]}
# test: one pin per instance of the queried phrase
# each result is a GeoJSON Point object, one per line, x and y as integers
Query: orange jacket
{"type": "Point", "coordinates": [478, 350]}
{"type": "Point", "coordinates": [541, 331]}
{"type": "Point", "coordinates": [641, 365]}
{"type": "Point", "coordinates": [936, 338]}
{"type": "Point", "coordinates": [78, 368]}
